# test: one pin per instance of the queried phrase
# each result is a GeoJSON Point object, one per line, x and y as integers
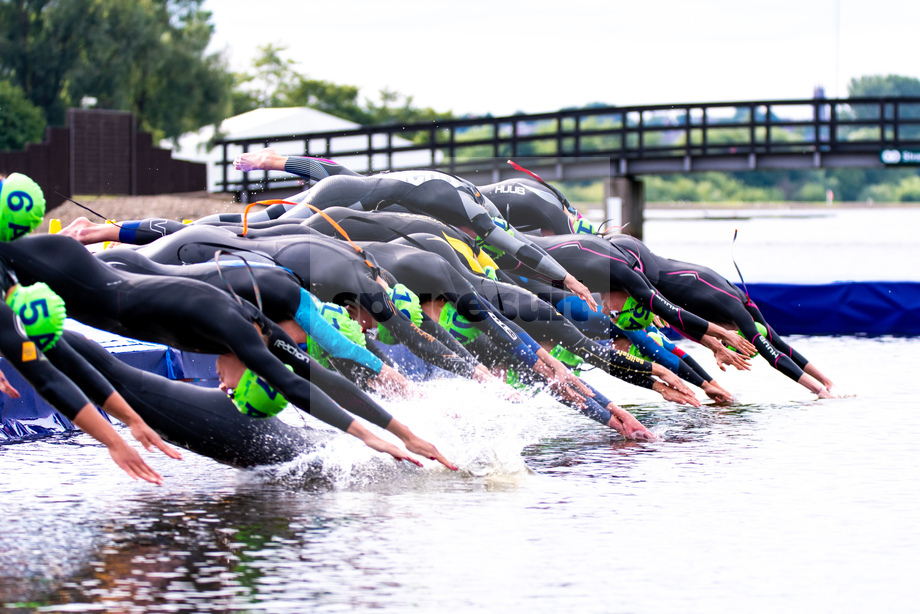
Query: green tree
{"type": "Point", "coordinates": [275, 82]}
{"type": "Point", "coordinates": [145, 56]}
{"type": "Point", "coordinates": [892, 86]}
{"type": "Point", "coordinates": [21, 121]}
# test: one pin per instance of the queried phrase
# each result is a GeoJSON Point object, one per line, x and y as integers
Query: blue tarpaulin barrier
{"type": "Point", "coordinates": [31, 416]}
{"type": "Point", "coordinates": [845, 308]}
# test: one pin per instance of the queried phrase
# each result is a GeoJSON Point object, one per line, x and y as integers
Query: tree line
{"type": "Point", "coordinates": [151, 57]}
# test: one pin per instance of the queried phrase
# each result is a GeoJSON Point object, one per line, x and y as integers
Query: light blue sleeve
{"type": "Point", "coordinates": [331, 340]}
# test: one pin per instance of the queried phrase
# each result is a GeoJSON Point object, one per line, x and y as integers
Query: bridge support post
{"type": "Point", "coordinates": [631, 193]}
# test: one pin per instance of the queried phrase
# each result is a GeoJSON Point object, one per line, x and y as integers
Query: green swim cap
{"type": "Point", "coordinates": [42, 313]}
{"type": "Point", "coordinates": [339, 318]}
{"type": "Point", "coordinates": [407, 302]}
{"type": "Point", "coordinates": [582, 226]}
{"type": "Point", "coordinates": [22, 206]}
{"type": "Point", "coordinates": [457, 325]}
{"type": "Point", "coordinates": [566, 357]}
{"type": "Point", "coordinates": [255, 398]}
{"type": "Point", "coordinates": [633, 316]}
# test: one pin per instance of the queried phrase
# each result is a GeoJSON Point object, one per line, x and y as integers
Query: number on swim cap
{"type": "Point", "coordinates": [42, 313]}
{"type": "Point", "coordinates": [22, 206]}
{"type": "Point", "coordinates": [254, 397]}
{"type": "Point", "coordinates": [633, 316]}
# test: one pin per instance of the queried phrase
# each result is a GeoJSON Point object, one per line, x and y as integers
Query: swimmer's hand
{"type": "Point", "coordinates": [263, 160]}
{"type": "Point", "coordinates": [716, 392]}
{"type": "Point", "coordinates": [671, 379]}
{"type": "Point", "coordinates": [725, 356]}
{"type": "Point", "coordinates": [391, 383]}
{"type": "Point", "coordinates": [675, 396]}
{"type": "Point", "coordinates": [581, 290]}
{"type": "Point", "coordinates": [626, 424]}
{"type": "Point", "coordinates": [417, 445]}
{"type": "Point", "coordinates": [376, 443]}
{"type": "Point", "coordinates": [7, 388]}
{"type": "Point", "coordinates": [733, 339]}
{"type": "Point", "coordinates": [557, 372]}
{"type": "Point", "coordinates": [150, 439]}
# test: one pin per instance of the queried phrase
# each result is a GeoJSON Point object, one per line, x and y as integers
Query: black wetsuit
{"type": "Point", "coordinates": [431, 264]}
{"type": "Point", "coordinates": [440, 195]}
{"type": "Point", "coordinates": [333, 270]}
{"type": "Point", "coordinates": [188, 315]}
{"type": "Point", "coordinates": [713, 297]}
{"type": "Point", "coordinates": [275, 290]}
{"type": "Point", "coordinates": [203, 420]}
{"type": "Point", "coordinates": [23, 354]}
{"type": "Point", "coordinates": [530, 206]}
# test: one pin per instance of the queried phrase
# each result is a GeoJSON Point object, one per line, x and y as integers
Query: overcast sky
{"type": "Point", "coordinates": [504, 56]}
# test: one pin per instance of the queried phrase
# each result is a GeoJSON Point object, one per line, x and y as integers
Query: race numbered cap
{"type": "Point", "coordinates": [22, 206]}
{"type": "Point", "coordinates": [255, 398]}
{"type": "Point", "coordinates": [42, 313]}
{"type": "Point", "coordinates": [633, 316]}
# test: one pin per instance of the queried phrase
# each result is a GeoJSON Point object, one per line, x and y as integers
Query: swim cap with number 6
{"type": "Point", "coordinates": [22, 206]}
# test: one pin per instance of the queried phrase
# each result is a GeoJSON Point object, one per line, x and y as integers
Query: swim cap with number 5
{"type": "Point", "coordinates": [42, 313]}
{"type": "Point", "coordinates": [22, 206]}
{"type": "Point", "coordinates": [633, 316]}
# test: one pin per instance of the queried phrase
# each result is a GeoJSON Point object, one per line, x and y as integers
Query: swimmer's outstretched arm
{"type": "Point", "coordinates": [269, 160]}
{"type": "Point", "coordinates": [63, 395]}
{"type": "Point", "coordinates": [97, 388]}
{"type": "Point", "coordinates": [93, 424]}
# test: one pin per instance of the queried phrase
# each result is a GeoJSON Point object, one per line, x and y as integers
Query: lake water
{"type": "Point", "coordinates": [776, 503]}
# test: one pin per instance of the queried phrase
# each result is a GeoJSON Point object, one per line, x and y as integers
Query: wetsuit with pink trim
{"type": "Point", "coordinates": [713, 297]}
{"type": "Point", "coordinates": [603, 267]}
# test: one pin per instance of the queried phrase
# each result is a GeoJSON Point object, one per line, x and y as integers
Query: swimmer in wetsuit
{"type": "Point", "coordinates": [704, 303]}
{"type": "Point", "coordinates": [202, 420]}
{"type": "Point", "coordinates": [191, 315]}
{"type": "Point", "coordinates": [22, 207]}
{"type": "Point", "coordinates": [283, 300]}
{"type": "Point", "coordinates": [440, 195]}
{"type": "Point", "coordinates": [58, 390]}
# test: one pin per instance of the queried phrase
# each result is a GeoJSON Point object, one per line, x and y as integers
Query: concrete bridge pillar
{"type": "Point", "coordinates": [631, 193]}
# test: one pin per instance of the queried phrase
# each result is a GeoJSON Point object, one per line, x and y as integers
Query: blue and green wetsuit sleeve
{"type": "Point", "coordinates": [331, 340]}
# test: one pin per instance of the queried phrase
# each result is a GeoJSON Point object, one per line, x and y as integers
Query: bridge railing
{"type": "Point", "coordinates": [624, 134]}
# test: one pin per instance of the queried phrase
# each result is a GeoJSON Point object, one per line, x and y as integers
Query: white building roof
{"type": "Point", "coordinates": [286, 121]}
